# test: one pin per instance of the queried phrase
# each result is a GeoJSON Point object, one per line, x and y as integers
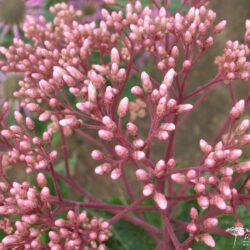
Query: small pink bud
{"type": "Point", "coordinates": [205, 147]}
{"type": "Point", "coordinates": [105, 168]}
{"type": "Point", "coordinates": [138, 155]}
{"type": "Point", "coordinates": [29, 123]}
{"type": "Point", "coordinates": [203, 202]}
{"type": "Point", "coordinates": [146, 82]}
{"type": "Point", "coordinates": [161, 201]}
{"type": "Point", "coordinates": [169, 77]}
{"type": "Point", "coordinates": [132, 128]}
{"type": "Point", "coordinates": [208, 240]}
{"type": "Point", "coordinates": [115, 58]}
{"type": "Point", "coordinates": [116, 174]}
{"type": "Point", "coordinates": [97, 155]}
{"type": "Point", "coordinates": [210, 162]}
{"type": "Point", "coordinates": [18, 117]}
{"type": "Point", "coordinates": [160, 168]}
{"type": "Point", "coordinates": [92, 94]}
{"type": "Point", "coordinates": [220, 26]}
{"type": "Point", "coordinates": [184, 108]}
{"type": "Point", "coordinates": [238, 109]}
{"type": "Point", "coordinates": [178, 178]}
{"type": "Point", "coordinates": [163, 135]}
{"type": "Point", "coordinates": [121, 151]}
{"type": "Point", "coordinates": [193, 213]}
{"type": "Point", "coordinates": [242, 167]}
{"type": "Point", "coordinates": [191, 228]}
{"type": "Point", "coordinates": [219, 202]}
{"type": "Point", "coordinates": [10, 240]}
{"type": "Point", "coordinates": [45, 194]}
{"type": "Point", "coordinates": [109, 123]}
{"type": "Point", "coordinates": [210, 222]}
{"type": "Point", "coordinates": [105, 135]}
{"type": "Point", "coordinates": [137, 91]}
{"type": "Point", "coordinates": [148, 189]}
{"type": "Point", "coordinates": [142, 175]}
{"type": "Point", "coordinates": [167, 126]}
{"type": "Point", "coordinates": [41, 180]}
{"type": "Point", "coordinates": [138, 143]}
{"type": "Point", "coordinates": [199, 188]}
{"type": "Point", "coordinates": [123, 107]}
{"type": "Point", "coordinates": [191, 174]}
{"type": "Point", "coordinates": [161, 107]}
{"type": "Point", "coordinates": [74, 72]}
{"type": "Point", "coordinates": [234, 154]}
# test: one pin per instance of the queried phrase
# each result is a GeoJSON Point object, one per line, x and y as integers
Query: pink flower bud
{"type": "Point", "coordinates": [138, 143]}
{"type": "Point", "coordinates": [184, 108]}
{"type": "Point", "coordinates": [74, 72]}
{"type": "Point", "coordinates": [220, 26]}
{"type": "Point", "coordinates": [60, 223]}
{"type": "Point", "coordinates": [148, 189]}
{"type": "Point", "coordinates": [7, 134]}
{"type": "Point", "coordinates": [146, 82]}
{"type": "Point", "coordinates": [45, 194]}
{"type": "Point", "coordinates": [178, 178]}
{"type": "Point", "coordinates": [205, 147]}
{"type": "Point", "coordinates": [121, 151]}
{"type": "Point", "coordinates": [25, 145]}
{"type": "Point", "coordinates": [92, 94]}
{"type": "Point", "coordinates": [105, 168]}
{"type": "Point", "coordinates": [142, 175]}
{"type": "Point", "coordinates": [234, 154]}
{"type": "Point", "coordinates": [132, 128]}
{"type": "Point", "coordinates": [163, 135]}
{"type": "Point", "coordinates": [199, 188]}
{"type": "Point", "coordinates": [242, 167]}
{"type": "Point", "coordinates": [161, 107]}
{"type": "Point", "coordinates": [193, 213]}
{"type": "Point", "coordinates": [171, 163]}
{"type": "Point", "coordinates": [105, 135]}
{"type": "Point", "coordinates": [29, 123]}
{"type": "Point", "coordinates": [97, 155]}
{"type": "Point", "coordinates": [191, 174]}
{"type": "Point", "coordinates": [18, 117]}
{"type": "Point", "coordinates": [208, 240]}
{"type": "Point", "coordinates": [210, 162]}
{"type": "Point", "coordinates": [116, 174]}
{"type": "Point", "coordinates": [109, 123]}
{"type": "Point", "coordinates": [191, 228]}
{"type": "Point", "coordinates": [41, 180]}
{"type": "Point", "coordinates": [172, 104]}
{"type": "Point", "coordinates": [167, 126]}
{"type": "Point", "coordinates": [169, 77]}
{"type": "Point", "coordinates": [210, 222]}
{"type": "Point", "coordinates": [115, 58]}
{"type": "Point", "coordinates": [137, 91]}
{"type": "Point", "coordinates": [44, 116]}
{"type": "Point", "coordinates": [123, 107]}
{"type": "Point", "coordinates": [238, 109]}
{"type": "Point", "coordinates": [241, 129]}
{"type": "Point", "coordinates": [138, 155]}
{"type": "Point", "coordinates": [10, 240]}
{"type": "Point", "coordinates": [161, 201]}
{"type": "Point", "coordinates": [160, 168]}
{"type": "Point", "coordinates": [203, 202]}
{"type": "Point", "coordinates": [219, 202]}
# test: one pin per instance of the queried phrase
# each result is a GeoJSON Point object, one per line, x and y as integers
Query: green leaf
{"type": "Point", "coordinates": [129, 237]}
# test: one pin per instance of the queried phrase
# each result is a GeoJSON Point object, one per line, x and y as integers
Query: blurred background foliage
{"type": "Point", "coordinates": [202, 124]}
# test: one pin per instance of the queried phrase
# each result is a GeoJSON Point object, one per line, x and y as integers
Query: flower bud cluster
{"type": "Point", "coordinates": [36, 218]}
